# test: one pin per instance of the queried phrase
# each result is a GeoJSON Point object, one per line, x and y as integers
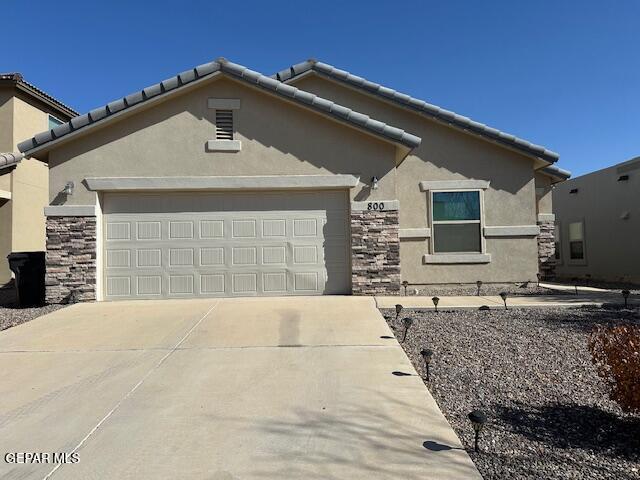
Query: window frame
{"type": "Point", "coordinates": [480, 222]}
{"type": "Point", "coordinates": [56, 119]}
{"type": "Point", "coordinates": [577, 261]}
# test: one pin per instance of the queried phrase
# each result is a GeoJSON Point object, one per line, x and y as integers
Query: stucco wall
{"type": "Point", "coordinates": [30, 195]}
{"type": "Point", "coordinates": [30, 182]}
{"type": "Point", "coordinates": [544, 194]}
{"type": "Point", "coordinates": [6, 120]}
{"type": "Point", "coordinates": [6, 145]}
{"type": "Point", "coordinates": [169, 139]}
{"type": "Point", "coordinates": [5, 240]}
{"type": "Point", "coordinates": [449, 154]}
{"type": "Point", "coordinates": [611, 241]}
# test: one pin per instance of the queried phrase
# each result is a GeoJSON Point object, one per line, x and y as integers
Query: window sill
{"type": "Point", "coordinates": [414, 233]}
{"type": "Point", "coordinates": [445, 258]}
{"type": "Point", "coordinates": [224, 145]}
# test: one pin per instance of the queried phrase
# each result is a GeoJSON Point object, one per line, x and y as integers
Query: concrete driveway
{"type": "Point", "coordinates": [220, 389]}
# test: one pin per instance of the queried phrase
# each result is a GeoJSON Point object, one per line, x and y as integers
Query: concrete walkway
{"type": "Point", "coordinates": [220, 389]}
{"type": "Point", "coordinates": [585, 297]}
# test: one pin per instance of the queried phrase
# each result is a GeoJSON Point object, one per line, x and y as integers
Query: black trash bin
{"type": "Point", "coordinates": [29, 269]}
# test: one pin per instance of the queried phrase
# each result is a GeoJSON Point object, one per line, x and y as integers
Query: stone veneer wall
{"type": "Point", "coordinates": [71, 259]}
{"type": "Point", "coordinates": [547, 250]}
{"type": "Point", "coordinates": [375, 252]}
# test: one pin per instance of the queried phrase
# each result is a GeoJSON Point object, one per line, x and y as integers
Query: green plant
{"type": "Point", "coordinates": [405, 284]}
{"type": "Point", "coordinates": [479, 285]}
{"type": "Point", "coordinates": [435, 301]}
{"type": "Point", "coordinates": [615, 351]}
{"type": "Point", "coordinates": [398, 310]}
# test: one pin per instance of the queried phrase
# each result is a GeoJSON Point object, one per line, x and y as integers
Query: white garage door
{"type": "Point", "coordinates": [177, 245]}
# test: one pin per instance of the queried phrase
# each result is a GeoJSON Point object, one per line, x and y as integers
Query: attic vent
{"type": "Point", "coordinates": [623, 178]}
{"type": "Point", "coordinates": [573, 190]}
{"type": "Point", "coordinates": [224, 124]}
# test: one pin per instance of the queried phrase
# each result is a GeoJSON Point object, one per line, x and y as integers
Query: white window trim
{"type": "Point", "coordinates": [49, 117]}
{"type": "Point", "coordinates": [483, 246]}
{"type": "Point", "coordinates": [577, 261]}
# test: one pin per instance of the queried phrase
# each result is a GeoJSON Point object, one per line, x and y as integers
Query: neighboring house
{"type": "Point", "coordinates": [222, 181]}
{"type": "Point", "coordinates": [598, 224]}
{"type": "Point", "coordinates": [24, 185]}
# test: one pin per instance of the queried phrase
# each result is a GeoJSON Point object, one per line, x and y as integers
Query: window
{"type": "Point", "coordinates": [456, 222]}
{"type": "Point", "coordinates": [556, 237]}
{"type": "Point", "coordinates": [224, 124]}
{"type": "Point", "coordinates": [576, 241]}
{"type": "Point", "coordinates": [54, 122]}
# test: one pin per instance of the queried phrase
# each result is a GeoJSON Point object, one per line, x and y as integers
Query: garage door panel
{"type": "Point", "coordinates": [149, 285]}
{"type": "Point", "coordinates": [212, 284]}
{"type": "Point", "coordinates": [184, 245]}
{"type": "Point", "coordinates": [118, 231]}
{"type": "Point", "coordinates": [211, 229]}
{"type": "Point", "coordinates": [148, 257]}
{"type": "Point", "coordinates": [211, 256]}
{"type": "Point", "coordinates": [118, 286]}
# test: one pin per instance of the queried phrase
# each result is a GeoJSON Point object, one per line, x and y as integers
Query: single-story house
{"type": "Point", "coordinates": [24, 182]}
{"type": "Point", "coordinates": [222, 181]}
{"type": "Point", "coordinates": [598, 225]}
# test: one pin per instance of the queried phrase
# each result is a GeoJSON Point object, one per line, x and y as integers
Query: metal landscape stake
{"type": "Point", "coordinates": [478, 418]}
{"type": "Point", "coordinates": [427, 355]}
{"type": "Point", "coordinates": [407, 322]}
{"type": "Point", "coordinates": [539, 277]}
{"type": "Point", "coordinates": [435, 301]}
{"type": "Point", "coordinates": [625, 295]}
{"type": "Point", "coordinates": [504, 296]}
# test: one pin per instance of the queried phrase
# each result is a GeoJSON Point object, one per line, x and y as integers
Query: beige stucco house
{"type": "Point", "coordinates": [24, 184]}
{"type": "Point", "coordinates": [222, 181]}
{"type": "Point", "coordinates": [598, 224]}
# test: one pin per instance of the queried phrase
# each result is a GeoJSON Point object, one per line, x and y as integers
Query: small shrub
{"type": "Point", "coordinates": [615, 351]}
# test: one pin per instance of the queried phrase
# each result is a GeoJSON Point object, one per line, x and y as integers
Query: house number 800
{"type": "Point", "coordinates": [375, 206]}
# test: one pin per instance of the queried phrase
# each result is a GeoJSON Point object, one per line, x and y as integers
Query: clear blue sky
{"type": "Point", "coordinates": [563, 74]}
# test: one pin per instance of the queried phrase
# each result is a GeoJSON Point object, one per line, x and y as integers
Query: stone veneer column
{"type": "Point", "coordinates": [547, 249]}
{"type": "Point", "coordinates": [375, 251]}
{"type": "Point", "coordinates": [71, 259]}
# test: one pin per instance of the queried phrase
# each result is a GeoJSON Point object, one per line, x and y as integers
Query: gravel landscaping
{"type": "Point", "coordinates": [512, 289]}
{"type": "Point", "coordinates": [619, 286]}
{"type": "Point", "coordinates": [530, 370]}
{"type": "Point", "coordinates": [11, 314]}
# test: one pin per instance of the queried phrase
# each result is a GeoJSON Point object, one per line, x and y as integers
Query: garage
{"type": "Point", "coordinates": [185, 244]}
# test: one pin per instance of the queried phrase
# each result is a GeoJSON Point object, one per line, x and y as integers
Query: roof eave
{"type": "Point", "coordinates": [16, 81]}
{"type": "Point", "coordinates": [53, 105]}
{"type": "Point", "coordinates": [40, 144]}
{"type": "Point", "coordinates": [10, 160]}
{"type": "Point", "coordinates": [303, 69]}
{"type": "Point", "coordinates": [556, 174]}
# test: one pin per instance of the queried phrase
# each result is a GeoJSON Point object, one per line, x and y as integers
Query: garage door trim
{"type": "Point", "coordinates": [328, 210]}
{"type": "Point", "coordinates": [207, 183]}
